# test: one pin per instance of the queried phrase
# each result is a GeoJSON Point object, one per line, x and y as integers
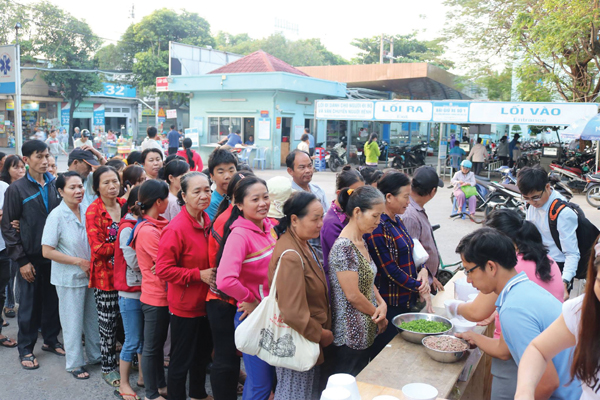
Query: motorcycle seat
{"type": "Point", "coordinates": [511, 187]}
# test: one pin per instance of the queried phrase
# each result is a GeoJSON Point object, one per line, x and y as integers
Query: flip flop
{"type": "Point", "coordinates": [5, 324]}
{"type": "Point", "coordinates": [6, 339]}
{"type": "Point", "coordinates": [77, 372]}
{"type": "Point", "coordinates": [10, 313]}
{"type": "Point", "coordinates": [28, 358]}
{"type": "Point", "coordinates": [122, 395]}
{"type": "Point", "coordinates": [58, 345]}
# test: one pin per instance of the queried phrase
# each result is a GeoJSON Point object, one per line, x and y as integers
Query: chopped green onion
{"type": "Point", "coordinates": [424, 326]}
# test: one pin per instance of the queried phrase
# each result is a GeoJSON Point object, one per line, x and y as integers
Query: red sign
{"type": "Point", "coordinates": [162, 84]}
{"type": "Point", "coordinates": [278, 123]}
{"type": "Point", "coordinates": [264, 114]}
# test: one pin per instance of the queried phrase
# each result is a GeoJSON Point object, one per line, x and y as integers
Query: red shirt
{"type": "Point", "coordinates": [182, 254]}
{"type": "Point", "coordinates": [102, 234]}
{"type": "Point", "coordinates": [197, 160]}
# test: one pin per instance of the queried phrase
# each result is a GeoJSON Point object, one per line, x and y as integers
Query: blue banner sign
{"type": "Point", "coordinates": [116, 90]}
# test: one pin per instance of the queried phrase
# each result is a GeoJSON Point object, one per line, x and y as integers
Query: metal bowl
{"type": "Point", "coordinates": [417, 337]}
{"type": "Point", "coordinates": [446, 356]}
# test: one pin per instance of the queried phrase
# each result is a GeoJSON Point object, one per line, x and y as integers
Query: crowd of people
{"type": "Point", "coordinates": [155, 263]}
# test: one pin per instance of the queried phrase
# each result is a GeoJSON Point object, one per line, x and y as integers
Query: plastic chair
{"type": "Point", "coordinates": [455, 208]}
{"type": "Point", "coordinates": [244, 157]}
{"type": "Point", "coordinates": [261, 157]}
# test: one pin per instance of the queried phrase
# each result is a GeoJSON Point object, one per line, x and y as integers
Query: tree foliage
{"type": "Point", "coordinates": [555, 43]}
{"type": "Point", "coordinates": [407, 49]}
{"type": "Point", "coordinates": [304, 52]}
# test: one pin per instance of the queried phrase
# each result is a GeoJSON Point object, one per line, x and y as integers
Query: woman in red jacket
{"type": "Point", "coordinates": [102, 224]}
{"type": "Point", "coordinates": [182, 262]}
{"type": "Point", "coordinates": [221, 309]}
{"type": "Point", "coordinates": [193, 158]}
{"type": "Point", "coordinates": [152, 201]}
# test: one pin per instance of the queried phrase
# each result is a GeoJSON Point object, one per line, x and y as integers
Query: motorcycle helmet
{"type": "Point", "coordinates": [467, 164]}
{"type": "Point", "coordinates": [85, 133]}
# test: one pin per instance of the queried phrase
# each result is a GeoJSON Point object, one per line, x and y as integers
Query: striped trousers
{"type": "Point", "coordinates": [107, 303]}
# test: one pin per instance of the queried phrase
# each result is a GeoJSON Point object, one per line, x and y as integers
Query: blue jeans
{"type": "Point", "coordinates": [260, 374]}
{"type": "Point", "coordinates": [133, 324]}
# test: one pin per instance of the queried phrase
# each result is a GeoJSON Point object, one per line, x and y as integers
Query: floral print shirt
{"type": "Point", "coordinates": [351, 327]}
{"type": "Point", "coordinates": [102, 234]}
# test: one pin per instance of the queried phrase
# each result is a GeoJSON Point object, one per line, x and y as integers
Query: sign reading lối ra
{"type": "Point", "coordinates": [8, 69]}
{"type": "Point", "coordinates": [474, 112]}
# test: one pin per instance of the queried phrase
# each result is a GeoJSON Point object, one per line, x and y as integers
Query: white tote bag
{"type": "Point", "coordinates": [420, 255]}
{"type": "Point", "coordinates": [264, 334]}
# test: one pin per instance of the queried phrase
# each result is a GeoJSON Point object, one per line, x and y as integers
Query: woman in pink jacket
{"type": "Point", "coordinates": [153, 199]}
{"type": "Point", "coordinates": [244, 273]}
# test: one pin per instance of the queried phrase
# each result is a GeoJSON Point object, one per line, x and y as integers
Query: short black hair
{"type": "Point", "coordinates": [134, 157]}
{"type": "Point", "coordinates": [62, 179]}
{"type": "Point", "coordinates": [487, 244]}
{"type": "Point", "coordinates": [392, 182]}
{"type": "Point", "coordinates": [172, 126]}
{"type": "Point", "coordinates": [116, 163]}
{"type": "Point", "coordinates": [479, 140]}
{"type": "Point", "coordinates": [532, 179]}
{"type": "Point", "coordinates": [33, 146]}
{"type": "Point", "coordinates": [148, 151]}
{"type": "Point", "coordinates": [151, 131]}
{"type": "Point", "coordinates": [289, 160]}
{"type": "Point", "coordinates": [96, 178]}
{"type": "Point", "coordinates": [304, 137]}
{"type": "Point", "coordinates": [237, 131]}
{"type": "Point", "coordinates": [457, 143]}
{"type": "Point", "coordinates": [218, 157]}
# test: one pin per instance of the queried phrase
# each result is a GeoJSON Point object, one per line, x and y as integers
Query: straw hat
{"type": "Point", "coordinates": [280, 189]}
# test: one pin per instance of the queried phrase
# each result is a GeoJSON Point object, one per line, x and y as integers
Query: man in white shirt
{"type": "Point", "coordinates": [536, 191]}
{"type": "Point", "coordinates": [151, 141]}
{"type": "Point", "coordinates": [83, 140]}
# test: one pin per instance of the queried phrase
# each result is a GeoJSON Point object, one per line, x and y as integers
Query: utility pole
{"type": "Point", "coordinates": [381, 50]}
{"type": "Point", "coordinates": [18, 116]}
{"type": "Point", "coordinates": [392, 50]}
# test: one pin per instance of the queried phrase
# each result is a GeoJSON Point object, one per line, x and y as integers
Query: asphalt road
{"type": "Point", "coordinates": [52, 382]}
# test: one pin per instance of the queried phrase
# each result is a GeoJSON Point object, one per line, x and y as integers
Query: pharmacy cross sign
{"type": "Point", "coordinates": [5, 66]}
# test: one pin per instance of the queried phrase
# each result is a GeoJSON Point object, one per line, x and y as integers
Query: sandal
{"type": "Point", "coordinates": [31, 359]}
{"type": "Point", "coordinates": [5, 324]}
{"type": "Point", "coordinates": [7, 339]}
{"type": "Point", "coordinates": [113, 378]}
{"type": "Point", "coordinates": [240, 389]}
{"type": "Point", "coordinates": [80, 371]}
{"type": "Point", "coordinates": [58, 345]}
{"type": "Point", "coordinates": [9, 312]}
{"type": "Point", "coordinates": [123, 395]}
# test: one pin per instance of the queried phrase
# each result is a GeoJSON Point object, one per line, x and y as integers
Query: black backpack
{"type": "Point", "coordinates": [586, 232]}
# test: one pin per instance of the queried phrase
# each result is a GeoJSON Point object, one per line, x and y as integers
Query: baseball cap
{"type": "Point", "coordinates": [426, 178]}
{"type": "Point", "coordinates": [280, 189]}
{"type": "Point", "coordinates": [84, 155]}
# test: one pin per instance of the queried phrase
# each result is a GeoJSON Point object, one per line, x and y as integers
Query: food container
{"type": "Point", "coordinates": [419, 391]}
{"type": "Point", "coordinates": [344, 381]}
{"type": "Point", "coordinates": [461, 325]}
{"type": "Point", "coordinates": [462, 289]}
{"type": "Point", "coordinates": [446, 356]}
{"type": "Point", "coordinates": [336, 393]}
{"type": "Point", "coordinates": [417, 337]}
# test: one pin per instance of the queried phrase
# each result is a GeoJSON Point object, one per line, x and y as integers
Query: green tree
{"type": "Point", "coordinates": [497, 84]}
{"type": "Point", "coordinates": [555, 43]}
{"type": "Point", "coordinates": [69, 47]}
{"type": "Point", "coordinates": [407, 49]}
{"type": "Point", "coordinates": [144, 47]}
{"type": "Point", "coordinates": [305, 52]}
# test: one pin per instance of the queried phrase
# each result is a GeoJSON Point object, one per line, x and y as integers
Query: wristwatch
{"type": "Point", "coordinates": [569, 285]}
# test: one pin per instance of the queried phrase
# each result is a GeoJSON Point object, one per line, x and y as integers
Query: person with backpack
{"type": "Point", "coordinates": [567, 234]}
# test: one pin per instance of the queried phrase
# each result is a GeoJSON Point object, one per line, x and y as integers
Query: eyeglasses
{"type": "Point", "coordinates": [468, 271]}
{"type": "Point", "coordinates": [533, 198]}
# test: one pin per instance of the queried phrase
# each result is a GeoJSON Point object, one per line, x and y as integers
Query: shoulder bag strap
{"type": "Point", "coordinates": [273, 289]}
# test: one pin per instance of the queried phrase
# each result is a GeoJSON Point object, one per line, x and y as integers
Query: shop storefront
{"type": "Point", "coordinates": [34, 114]}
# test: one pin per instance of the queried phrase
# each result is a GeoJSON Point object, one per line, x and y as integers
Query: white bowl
{"type": "Point", "coordinates": [461, 325]}
{"type": "Point", "coordinates": [345, 381]}
{"type": "Point", "coordinates": [336, 393]}
{"type": "Point", "coordinates": [419, 391]}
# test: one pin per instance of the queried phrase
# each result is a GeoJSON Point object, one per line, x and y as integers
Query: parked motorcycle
{"type": "Point", "coordinates": [407, 157]}
{"type": "Point", "coordinates": [337, 156]}
{"type": "Point", "coordinates": [592, 190]}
